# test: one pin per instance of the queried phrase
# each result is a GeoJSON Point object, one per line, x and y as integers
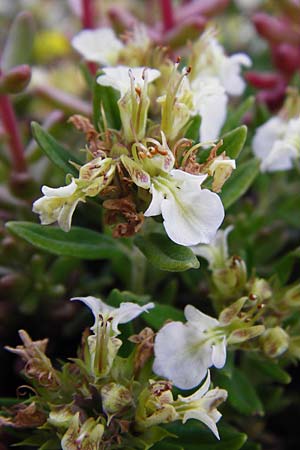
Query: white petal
{"type": "Point", "coordinates": [199, 319]}
{"type": "Point", "coordinates": [178, 357]}
{"type": "Point", "coordinates": [192, 217]}
{"type": "Point", "coordinates": [203, 417]}
{"type": "Point", "coordinates": [213, 110]}
{"type": "Point", "coordinates": [280, 157]}
{"type": "Point", "coordinates": [96, 305]}
{"type": "Point", "coordinates": [119, 79]}
{"type": "Point", "coordinates": [64, 219]}
{"type": "Point", "coordinates": [100, 45]}
{"type": "Point", "coordinates": [154, 209]}
{"type": "Point", "coordinates": [199, 393]}
{"type": "Point", "coordinates": [180, 175]}
{"type": "Point", "coordinates": [127, 311]}
{"type": "Point", "coordinates": [219, 354]}
{"type": "Point", "coordinates": [266, 135]}
{"type": "Point", "coordinates": [65, 191]}
{"type": "Point", "coordinates": [231, 78]}
{"type": "Point", "coordinates": [216, 252]}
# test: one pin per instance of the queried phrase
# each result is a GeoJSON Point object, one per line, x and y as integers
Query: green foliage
{"type": "Point", "coordinates": [78, 242]}
{"type": "Point", "coordinates": [239, 182]}
{"type": "Point", "coordinates": [105, 99]}
{"type": "Point", "coordinates": [165, 254]}
{"type": "Point", "coordinates": [54, 150]}
{"type": "Point", "coordinates": [194, 436]}
{"type": "Point", "coordinates": [241, 392]}
{"type": "Point", "coordinates": [160, 314]}
{"type": "Point", "coordinates": [18, 47]}
{"type": "Point", "coordinates": [233, 143]}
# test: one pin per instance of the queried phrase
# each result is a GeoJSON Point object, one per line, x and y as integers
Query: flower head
{"type": "Point", "coordinates": [58, 204]}
{"type": "Point", "coordinates": [202, 405]}
{"type": "Point", "coordinates": [210, 60]}
{"type": "Point", "coordinates": [277, 143]}
{"type": "Point", "coordinates": [191, 214]}
{"type": "Point", "coordinates": [103, 344]}
{"type": "Point", "coordinates": [200, 343]}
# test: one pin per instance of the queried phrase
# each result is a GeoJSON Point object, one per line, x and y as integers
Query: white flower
{"type": "Point", "coordinates": [202, 405]}
{"type": "Point", "coordinates": [119, 77]}
{"type": "Point", "coordinates": [103, 344]}
{"type": "Point", "coordinates": [100, 45]}
{"type": "Point", "coordinates": [216, 253]}
{"type": "Point", "coordinates": [184, 352]}
{"type": "Point", "coordinates": [126, 312]}
{"type": "Point", "coordinates": [191, 214]}
{"type": "Point", "coordinates": [277, 143]}
{"type": "Point", "coordinates": [211, 61]}
{"type": "Point", "coordinates": [210, 101]}
{"type": "Point", "coordinates": [58, 204]}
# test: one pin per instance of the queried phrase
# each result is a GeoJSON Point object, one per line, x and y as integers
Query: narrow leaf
{"type": "Point", "coordinates": [54, 150]}
{"type": "Point", "coordinates": [108, 98]}
{"type": "Point", "coordinates": [239, 182]}
{"type": "Point", "coordinates": [18, 46]}
{"type": "Point", "coordinates": [165, 254]}
{"type": "Point", "coordinates": [78, 242]}
{"type": "Point", "coordinates": [241, 393]}
{"type": "Point", "coordinates": [235, 117]}
{"type": "Point", "coordinates": [157, 316]}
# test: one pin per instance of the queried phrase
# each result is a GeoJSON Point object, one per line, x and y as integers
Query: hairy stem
{"type": "Point", "coordinates": [87, 13]}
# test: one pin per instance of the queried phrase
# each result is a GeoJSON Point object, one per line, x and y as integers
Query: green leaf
{"type": "Point", "coordinates": [165, 254]}
{"type": "Point", "coordinates": [108, 98]}
{"type": "Point", "coordinates": [233, 142]}
{"type": "Point", "coordinates": [19, 43]}
{"type": "Point", "coordinates": [284, 266]}
{"type": "Point", "coordinates": [54, 150]}
{"type": "Point", "coordinates": [78, 242]}
{"type": "Point", "coordinates": [193, 435]}
{"type": "Point", "coordinates": [239, 182]}
{"type": "Point", "coordinates": [116, 297]}
{"type": "Point", "coordinates": [241, 393]}
{"type": "Point", "coordinates": [269, 369]}
{"type": "Point", "coordinates": [193, 129]}
{"type": "Point", "coordinates": [157, 316]}
{"type": "Point", "coordinates": [235, 117]}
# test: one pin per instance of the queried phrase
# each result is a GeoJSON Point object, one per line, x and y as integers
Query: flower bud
{"type": "Point", "coordinates": [292, 296]}
{"type": "Point", "coordinates": [275, 29]}
{"type": "Point", "coordinates": [230, 313]}
{"type": "Point", "coordinates": [115, 398]}
{"type": "Point", "coordinates": [15, 80]}
{"type": "Point", "coordinates": [245, 334]}
{"type": "Point", "coordinates": [274, 342]}
{"type": "Point", "coordinates": [155, 405]}
{"type": "Point", "coordinates": [221, 169]}
{"type": "Point", "coordinates": [231, 280]}
{"type": "Point", "coordinates": [261, 289]}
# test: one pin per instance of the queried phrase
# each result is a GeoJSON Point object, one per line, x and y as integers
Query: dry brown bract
{"type": "Point", "coordinates": [123, 208]}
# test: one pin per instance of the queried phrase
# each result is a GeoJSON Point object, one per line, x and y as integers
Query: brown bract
{"type": "Point", "coordinates": [144, 349]}
{"type": "Point", "coordinates": [123, 213]}
{"type": "Point", "coordinates": [24, 417]}
{"type": "Point", "coordinates": [38, 366]}
{"type": "Point", "coordinates": [96, 146]}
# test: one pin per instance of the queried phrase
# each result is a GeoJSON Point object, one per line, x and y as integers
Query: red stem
{"type": "Point", "coordinates": [11, 127]}
{"type": "Point", "coordinates": [167, 14]}
{"type": "Point", "coordinates": [87, 13]}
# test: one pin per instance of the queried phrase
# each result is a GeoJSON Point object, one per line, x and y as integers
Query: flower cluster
{"type": "Point", "coordinates": [106, 402]}
{"type": "Point", "coordinates": [149, 163]}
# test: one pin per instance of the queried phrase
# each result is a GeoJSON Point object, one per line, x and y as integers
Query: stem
{"type": "Point", "coordinates": [138, 271]}
{"type": "Point", "coordinates": [87, 17]}
{"type": "Point", "coordinates": [64, 101]}
{"type": "Point", "coordinates": [167, 14]}
{"type": "Point", "coordinates": [11, 127]}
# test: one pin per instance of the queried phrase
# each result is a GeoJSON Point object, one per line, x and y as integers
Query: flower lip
{"type": "Point", "coordinates": [100, 45]}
